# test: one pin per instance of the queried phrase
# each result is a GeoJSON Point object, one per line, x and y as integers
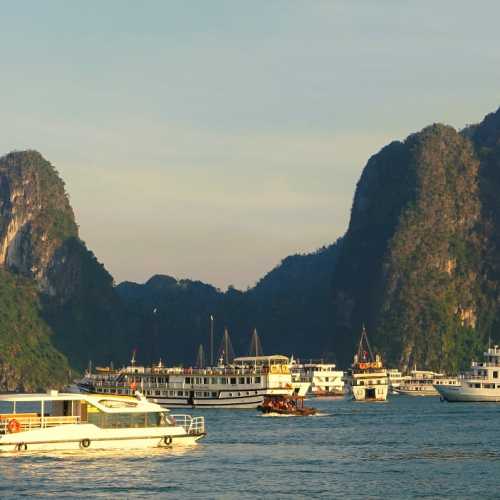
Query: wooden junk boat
{"type": "Point", "coordinates": [286, 405]}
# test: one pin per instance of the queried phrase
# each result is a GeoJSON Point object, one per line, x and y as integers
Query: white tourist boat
{"type": "Point", "coordinates": [323, 379]}
{"type": "Point", "coordinates": [242, 384]}
{"type": "Point", "coordinates": [367, 378]}
{"type": "Point", "coordinates": [395, 379]}
{"type": "Point", "coordinates": [481, 385]}
{"type": "Point", "coordinates": [421, 383]}
{"type": "Point", "coordinates": [58, 421]}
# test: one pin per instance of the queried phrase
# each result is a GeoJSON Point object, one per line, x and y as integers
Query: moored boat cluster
{"type": "Point", "coordinates": [128, 407]}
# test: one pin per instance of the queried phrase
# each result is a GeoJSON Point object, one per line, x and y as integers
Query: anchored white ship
{"type": "Point", "coordinates": [421, 383]}
{"type": "Point", "coordinates": [481, 385]}
{"type": "Point", "coordinates": [323, 378]}
{"type": "Point", "coordinates": [367, 377]}
{"type": "Point", "coordinates": [395, 379]}
{"type": "Point", "coordinates": [57, 421]}
{"type": "Point", "coordinates": [241, 384]}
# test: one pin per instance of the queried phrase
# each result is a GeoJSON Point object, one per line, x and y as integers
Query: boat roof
{"type": "Point", "coordinates": [263, 358]}
{"type": "Point", "coordinates": [105, 402]}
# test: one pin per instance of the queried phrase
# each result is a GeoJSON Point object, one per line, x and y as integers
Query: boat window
{"type": "Point", "coordinates": [188, 380]}
{"type": "Point", "coordinates": [205, 380]}
{"type": "Point", "coordinates": [180, 393]}
{"type": "Point", "coordinates": [129, 420]}
{"type": "Point", "coordinates": [257, 380]}
{"type": "Point", "coordinates": [242, 380]}
{"type": "Point", "coordinates": [233, 380]}
{"type": "Point", "coordinates": [249, 380]}
{"type": "Point", "coordinates": [214, 394]}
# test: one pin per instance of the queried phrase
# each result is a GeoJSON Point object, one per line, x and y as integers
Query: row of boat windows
{"type": "Point", "coordinates": [484, 373]}
{"type": "Point", "coordinates": [372, 382]}
{"type": "Point", "coordinates": [201, 380]}
{"type": "Point", "coordinates": [128, 420]}
{"type": "Point", "coordinates": [478, 385]}
{"type": "Point", "coordinates": [173, 394]}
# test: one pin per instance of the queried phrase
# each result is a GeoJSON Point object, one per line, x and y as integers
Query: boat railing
{"type": "Point", "coordinates": [192, 425]}
{"type": "Point", "coordinates": [28, 422]}
{"type": "Point", "coordinates": [485, 364]}
{"type": "Point", "coordinates": [476, 377]}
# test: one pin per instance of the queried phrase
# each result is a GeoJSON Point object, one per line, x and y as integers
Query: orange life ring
{"type": "Point", "coordinates": [14, 426]}
{"type": "Point", "coordinates": [133, 386]}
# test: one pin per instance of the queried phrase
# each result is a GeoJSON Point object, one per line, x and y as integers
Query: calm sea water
{"type": "Point", "coordinates": [405, 448]}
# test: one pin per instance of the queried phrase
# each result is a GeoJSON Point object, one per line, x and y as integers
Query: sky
{"type": "Point", "coordinates": [210, 140]}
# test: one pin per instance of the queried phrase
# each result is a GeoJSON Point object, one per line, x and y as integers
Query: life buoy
{"type": "Point", "coordinates": [84, 443]}
{"type": "Point", "coordinates": [167, 440]}
{"type": "Point", "coordinates": [14, 426]}
{"type": "Point", "coordinates": [133, 386]}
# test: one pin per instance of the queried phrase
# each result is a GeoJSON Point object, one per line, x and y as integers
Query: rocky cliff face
{"type": "Point", "coordinates": [73, 309]}
{"type": "Point", "coordinates": [35, 217]}
{"type": "Point", "coordinates": [416, 261]}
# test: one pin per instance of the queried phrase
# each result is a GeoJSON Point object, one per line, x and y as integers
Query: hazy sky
{"type": "Point", "coordinates": [211, 139]}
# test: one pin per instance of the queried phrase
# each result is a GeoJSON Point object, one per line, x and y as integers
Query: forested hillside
{"type": "Point", "coordinates": [290, 307]}
{"type": "Point", "coordinates": [419, 261]}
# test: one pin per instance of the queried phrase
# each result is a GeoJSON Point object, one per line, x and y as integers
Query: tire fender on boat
{"type": "Point", "coordinates": [84, 443]}
{"type": "Point", "coordinates": [167, 440]}
{"type": "Point", "coordinates": [21, 447]}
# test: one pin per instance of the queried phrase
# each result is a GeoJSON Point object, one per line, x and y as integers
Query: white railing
{"type": "Point", "coordinates": [192, 425]}
{"type": "Point", "coordinates": [18, 422]}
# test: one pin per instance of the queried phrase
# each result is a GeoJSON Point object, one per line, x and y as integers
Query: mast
{"type": "Point", "coordinates": [255, 345]}
{"type": "Point", "coordinates": [226, 349]}
{"type": "Point", "coordinates": [211, 340]}
{"type": "Point", "coordinates": [200, 358]}
{"type": "Point", "coordinates": [363, 341]}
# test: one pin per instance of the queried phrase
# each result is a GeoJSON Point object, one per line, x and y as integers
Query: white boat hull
{"type": "Point", "coordinates": [91, 437]}
{"type": "Point", "coordinates": [370, 393]}
{"type": "Point", "coordinates": [468, 394]}
{"type": "Point", "coordinates": [425, 392]}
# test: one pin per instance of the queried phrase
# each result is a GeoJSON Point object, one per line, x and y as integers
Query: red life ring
{"type": "Point", "coordinates": [133, 386]}
{"type": "Point", "coordinates": [13, 426]}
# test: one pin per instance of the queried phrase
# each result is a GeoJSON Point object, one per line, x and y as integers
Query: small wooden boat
{"type": "Point", "coordinates": [286, 405]}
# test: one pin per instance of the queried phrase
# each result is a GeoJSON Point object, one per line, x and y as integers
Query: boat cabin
{"type": "Point", "coordinates": [31, 411]}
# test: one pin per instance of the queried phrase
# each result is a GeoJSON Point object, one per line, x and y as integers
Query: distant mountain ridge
{"type": "Point", "coordinates": [285, 306]}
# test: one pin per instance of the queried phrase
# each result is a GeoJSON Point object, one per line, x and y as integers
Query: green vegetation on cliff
{"type": "Point", "coordinates": [415, 265]}
{"type": "Point", "coordinates": [28, 359]}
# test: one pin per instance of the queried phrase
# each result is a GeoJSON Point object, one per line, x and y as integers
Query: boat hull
{"type": "Point", "coordinates": [231, 402]}
{"type": "Point", "coordinates": [89, 437]}
{"type": "Point", "coordinates": [406, 392]}
{"type": "Point", "coordinates": [461, 394]}
{"type": "Point", "coordinates": [369, 393]}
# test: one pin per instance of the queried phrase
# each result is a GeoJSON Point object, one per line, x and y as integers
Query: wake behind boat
{"type": "Point", "coordinates": [58, 421]}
